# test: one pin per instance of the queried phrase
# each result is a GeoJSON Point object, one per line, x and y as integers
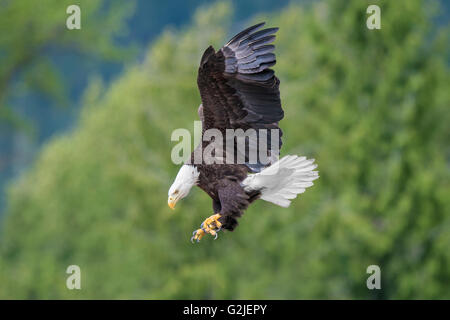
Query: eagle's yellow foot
{"type": "Point", "coordinates": [210, 225]}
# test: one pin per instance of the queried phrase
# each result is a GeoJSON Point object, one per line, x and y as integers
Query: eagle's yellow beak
{"type": "Point", "coordinates": [172, 202]}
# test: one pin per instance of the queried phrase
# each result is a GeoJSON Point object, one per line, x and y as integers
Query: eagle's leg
{"type": "Point", "coordinates": [211, 225]}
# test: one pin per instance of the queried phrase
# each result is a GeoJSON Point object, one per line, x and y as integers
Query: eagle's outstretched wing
{"type": "Point", "coordinates": [237, 87]}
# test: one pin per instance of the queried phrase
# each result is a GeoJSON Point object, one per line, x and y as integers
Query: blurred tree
{"type": "Point", "coordinates": [36, 32]}
{"type": "Point", "coordinates": [370, 105]}
{"type": "Point", "coordinates": [44, 65]}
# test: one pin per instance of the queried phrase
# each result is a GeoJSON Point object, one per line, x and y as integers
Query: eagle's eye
{"type": "Point", "coordinates": [175, 192]}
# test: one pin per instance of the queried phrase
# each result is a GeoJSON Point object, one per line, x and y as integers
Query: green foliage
{"type": "Point", "coordinates": [34, 32]}
{"type": "Point", "coordinates": [370, 105]}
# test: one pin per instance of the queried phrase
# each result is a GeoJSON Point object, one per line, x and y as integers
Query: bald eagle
{"type": "Point", "coordinates": [239, 91]}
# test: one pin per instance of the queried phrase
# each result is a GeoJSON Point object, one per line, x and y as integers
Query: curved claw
{"type": "Point", "coordinates": [193, 238]}
{"type": "Point", "coordinates": [217, 232]}
{"type": "Point", "coordinates": [194, 234]}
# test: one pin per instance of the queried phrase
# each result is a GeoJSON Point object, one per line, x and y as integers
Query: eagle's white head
{"type": "Point", "coordinates": [186, 178]}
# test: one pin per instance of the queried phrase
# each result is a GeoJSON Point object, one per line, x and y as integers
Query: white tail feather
{"type": "Point", "coordinates": [283, 180]}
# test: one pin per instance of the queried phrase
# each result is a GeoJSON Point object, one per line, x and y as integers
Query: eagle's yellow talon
{"type": "Point", "coordinates": [211, 225]}
{"type": "Point", "coordinates": [197, 235]}
{"type": "Point", "coordinates": [213, 221]}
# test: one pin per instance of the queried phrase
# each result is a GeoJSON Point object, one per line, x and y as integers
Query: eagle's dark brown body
{"type": "Point", "coordinates": [222, 182]}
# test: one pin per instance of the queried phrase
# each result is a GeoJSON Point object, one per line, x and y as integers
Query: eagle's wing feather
{"type": "Point", "coordinates": [237, 88]}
